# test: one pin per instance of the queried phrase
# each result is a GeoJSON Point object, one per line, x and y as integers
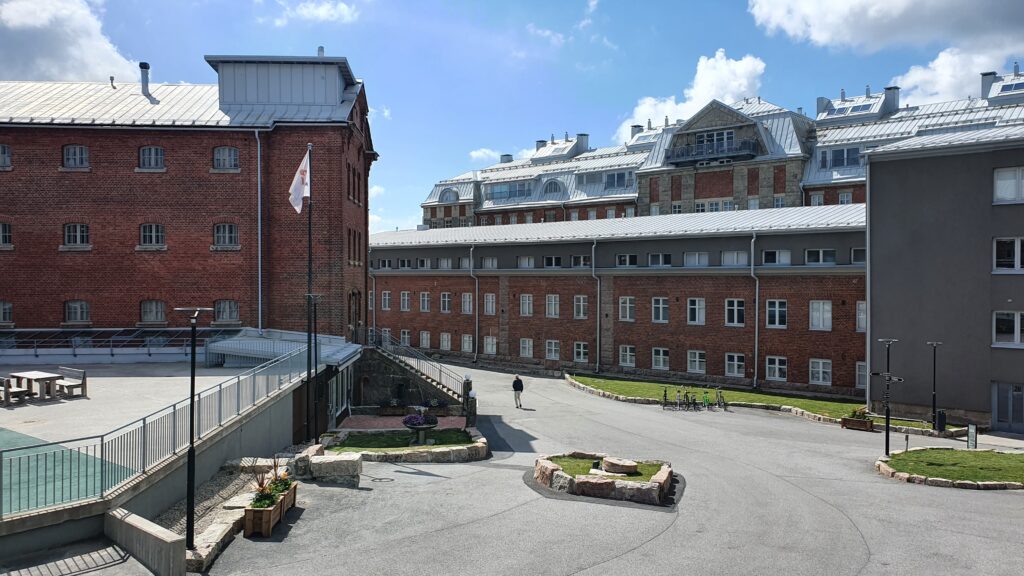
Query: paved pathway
{"type": "Point", "coordinates": [761, 493]}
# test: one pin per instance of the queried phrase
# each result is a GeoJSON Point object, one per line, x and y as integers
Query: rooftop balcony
{"type": "Point", "coordinates": [742, 149]}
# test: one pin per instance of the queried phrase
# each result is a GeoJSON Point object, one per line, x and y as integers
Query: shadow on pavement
{"type": "Point", "coordinates": [501, 437]}
{"type": "Point", "coordinates": [79, 558]}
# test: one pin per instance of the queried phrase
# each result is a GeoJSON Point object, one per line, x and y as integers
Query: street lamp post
{"type": "Point", "coordinates": [190, 496]}
{"type": "Point", "coordinates": [889, 379]}
{"type": "Point", "coordinates": [935, 347]}
{"type": "Point", "coordinates": [312, 389]}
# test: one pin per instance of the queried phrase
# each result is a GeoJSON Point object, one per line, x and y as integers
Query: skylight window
{"type": "Point", "coordinates": [1012, 87]}
{"type": "Point", "coordinates": [860, 108]}
{"type": "Point", "coordinates": [839, 111]}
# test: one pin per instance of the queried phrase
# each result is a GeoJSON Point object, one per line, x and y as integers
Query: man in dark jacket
{"type": "Point", "coordinates": [517, 387]}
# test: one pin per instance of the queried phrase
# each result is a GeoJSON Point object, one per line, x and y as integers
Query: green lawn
{"type": "Point", "coordinates": [580, 466]}
{"type": "Point", "coordinates": [961, 465]}
{"type": "Point", "coordinates": [831, 408]}
{"type": "Point", "coordinates": [394, 441]}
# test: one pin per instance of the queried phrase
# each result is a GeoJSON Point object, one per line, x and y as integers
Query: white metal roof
{"type": "Point", "coordinates": [952, 139]}
{"type": "Point", "coordinates": [740, 222]}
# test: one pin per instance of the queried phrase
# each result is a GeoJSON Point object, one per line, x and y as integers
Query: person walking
{"type": "Point", "coordinates": [517, 387]}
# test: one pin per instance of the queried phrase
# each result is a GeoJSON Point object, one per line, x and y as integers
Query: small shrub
{"type": "Point", "coordinates": [860, 413]}
{"type": "Point", "coordinates": [419, 420]}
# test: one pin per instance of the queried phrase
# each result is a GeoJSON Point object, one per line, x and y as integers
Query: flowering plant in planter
{"type": "Point", "coordinates": [419, 420]}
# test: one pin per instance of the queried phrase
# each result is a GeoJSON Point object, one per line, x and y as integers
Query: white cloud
{"type": "Point", "coordinates": [376, 190]}
{"type": "Point", "coordinates": [591, 6]}
{"type": "Point", "coordinates": [952, 75]}
{"type": "Point", "coordinates": [384, 113]}
{"type": "Point", "coordinates": [556, 39]}
{"type": "Point", "coordinates": [524, 153]}
{"type": "Point", "coordinates": [607, 43]}
{"type": "Point", "coordinates": [379, 223]}
{"type": "Point", "coordinates": [317, 11]}
{"type": "Point", "coordinates": [58, 40]}
{"type": "Point", "coordinates": [583, 23]}
{"type": "Point", "coordinates": [375, 221]}
{"type": "Point", "coordinates": [719, 77]}
{"type": "Point", "coordinates": [484, 154]}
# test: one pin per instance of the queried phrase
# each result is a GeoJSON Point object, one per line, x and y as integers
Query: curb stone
{"type": "Point", "coordinates": [478, 450]}
{"type": "Point", "coordinates": [883, 468]}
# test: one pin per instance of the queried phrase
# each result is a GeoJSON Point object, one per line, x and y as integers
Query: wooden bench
{"type": "Point", "coordinates": [11, 391]}
{"type": "Point", "coordinates": [72, 379]}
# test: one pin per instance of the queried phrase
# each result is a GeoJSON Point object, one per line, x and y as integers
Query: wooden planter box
{"type": "Point", "coordinates": [392, 411]}
{"type": "Point", "coordinates": [855, 424]}
{"type": "Point", "coordinates": [262, 520]}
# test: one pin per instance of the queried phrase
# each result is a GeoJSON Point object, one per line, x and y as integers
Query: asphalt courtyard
{"type": "Point", "coordinates": [759, 493]}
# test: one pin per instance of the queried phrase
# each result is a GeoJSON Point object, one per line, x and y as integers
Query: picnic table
{"type": "Point", "coordinates": [45, 380]}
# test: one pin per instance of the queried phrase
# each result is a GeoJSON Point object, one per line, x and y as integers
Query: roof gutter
{"type": "Point", "coordinates": [593, 272]}
{"type": "Point", "coordinates": [476, 304]}
{"type": "Point", "coordinates": [757, 309]}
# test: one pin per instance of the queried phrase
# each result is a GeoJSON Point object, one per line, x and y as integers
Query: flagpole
{"type": "Point", "coordinates": [309, 289]}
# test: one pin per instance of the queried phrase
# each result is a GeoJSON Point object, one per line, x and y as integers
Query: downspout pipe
{"type": "Point", "coordinates": [867, 277]}
{"type": "Point", "coordinates": [259, 233]}
{"type": "Point", "coordinates": [757, 309]}
{"type": "Point", "coordinates": [593, 272]}
{"type": "Point", "coordinates": [373, 291]}
{"type": "Point", "coordinates": [476, 304]}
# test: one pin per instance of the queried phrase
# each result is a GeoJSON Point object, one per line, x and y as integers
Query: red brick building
{"type": "Point", "coordinates": [119, 202]}
{"type": "Point", "coordinates": [775, 296]}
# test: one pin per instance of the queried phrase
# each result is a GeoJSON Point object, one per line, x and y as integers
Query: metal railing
{"type": "Point", "coordinates": [54, 473]}
{"type": "Point", "coordinates": [417, 360]}
{"type": "Point", "coordinates": [110, 340]}
{"type": "Point", "coordinates": [710, 150]}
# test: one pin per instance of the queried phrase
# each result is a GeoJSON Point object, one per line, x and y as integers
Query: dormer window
{"type": "Point", "coordinates": [840, 157]}
{"type": "Point", "coordinates": [552, 187]}
{"type": "Point", "coordinates": [711, 142]}
{"type": "Point", "coordinates": [510, 190]}
{"type": "Point", "coordinates": [1011, 87]}
{"type": "Point", "coordinates": [448, 196]}
{"type": "Point", "coordinates": [618, 180]}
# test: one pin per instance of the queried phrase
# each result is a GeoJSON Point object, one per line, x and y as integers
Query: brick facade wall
{"type": "Point", "coordinates": [830, 194]}
{"type": "Point", "coordinates": [551, 214]}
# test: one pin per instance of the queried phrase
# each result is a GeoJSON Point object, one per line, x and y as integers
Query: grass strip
{"type": "Point", "coordinates": [581, 466]}
{"type": "Point", "coordinates": [398, 440]}
{"type": "Point", "coordinates": [978, 466]}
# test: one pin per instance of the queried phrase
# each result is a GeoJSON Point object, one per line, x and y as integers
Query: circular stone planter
{"type": "Point", "coordinates": [476, 451]}
{"type": "Point", "coordinates": [550, 475]}
{"type": "Point", "coordinates": [421, 433]}
{"type": "Point", "coordinates": [883, 468]}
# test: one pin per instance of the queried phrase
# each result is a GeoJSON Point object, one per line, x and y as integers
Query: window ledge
{"type": "Point", "coordinates": [1008, 345]}
{"type": "Point", "coordinates": [86, 324]}
{"type": "Point", "coordinates": [6, 247]}
{"type": "Point", "coordinates": [735, 325]}
{"type": "Point", "coordinates": [150, 170]}
{"type": "Point", "coordinates": [82, 169]}
{"type": "Point", "coordinates": [776, 327]}
{"type": "Point", "coordinates": [225, 170]}
{"type": "Point", "coordinates": [151, 248]}
{"type": "Point", "coordinates": [7, 325]}
{"type": "Point", "coordinates": [6, 168]}
{"type": "Point", "coordinates": [162, 324]}
{"type": "Point", "coordinates": [1005, 202]}
{"type": "Point", "coordinates": [75, 248]}
{"type": "Point", "coordinates": [218, 248]}
{"type": "Point", "coordinates": [1008, 272]}
{"type": "Point", "coordinates": [820, 329]}
{"type": "Point", "coordinates": [225, 323]}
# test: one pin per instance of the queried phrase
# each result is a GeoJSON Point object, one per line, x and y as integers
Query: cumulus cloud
{"type": "Point", "coordinates": [317, 11]}
{"type": "Point", "coordinates": [524, 153]}
{"type": "Point", "coordinates": [591, 6]}
{"type": "Point", "coordinates": [978, 38]}
{"type": "Point", "coordinates": [384, 112]}
{"type": "Point", "coordinates": [379, 223]}
{"type": "Point", "coordinates": [718, 77]}
{"type": "Point", "coordinates": [556, 39]}
{"type": "Point", "coordinates": [58, 40]}
{"type": "Point", "coordinates": [481, 154]}
{"type": "Point", "coordinates": [376, 190]}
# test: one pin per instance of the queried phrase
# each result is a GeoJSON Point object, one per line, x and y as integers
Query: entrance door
{"type": "Point", "coordinates": [1009, 407]}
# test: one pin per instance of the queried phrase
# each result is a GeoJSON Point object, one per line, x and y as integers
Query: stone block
{"type": "Point", "coordinates": [595, 486]}
{"type": "Point", "coordinates": [460, 454]}
{"type": "Point", "coordinates": [663, 478]}
{"type": "Point", "coordinates": [1014, 485]}
{"type": "Point", "coordinates": [238, 501]}
{"type": "Point", "coordinates": [544, 470]}
{"type": "Point", "coordinates": [917, 479]}
{"type": "Point", "coordinates": [940, 482]}
{"type": "Point", "coordinates": [441, 455]}
{"type": "Point", "coordinates": [586, 455]}
{"type": "Point", "coordinates": [885, 470]}
{"type": "Point", "coordinates": [618, 465]}
{"type": "Point", "coordinates": [967, 484]}
{"type": "Point", "coordinates": [477, 451]}
{"type": "Point", "coordinates": [642, 492]}
{"type": "Point", "coordinates": [337, 468]}
{"type": "Point", "coordinates": [901, 476]}
{"type": "Point", "coordinates": [991, 485]}
{"type": "Point", "coordinates": [417, 456]}
{"type": "Point", "coordinates": [563, 482]}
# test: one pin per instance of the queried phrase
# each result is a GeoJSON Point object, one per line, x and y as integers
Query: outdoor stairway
{"type": "Point", "coordinates": [428, 370]}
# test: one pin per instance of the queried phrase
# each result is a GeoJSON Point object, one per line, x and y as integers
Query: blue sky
{"type": "Point", "coordinates": [446, 79]}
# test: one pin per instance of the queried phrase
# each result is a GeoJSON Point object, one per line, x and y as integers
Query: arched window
{"type": "Point", "coordinates": [225, 158]}
{"type": "Point", "coordinates": [552, 187]}
{"type": "Point", "coordinates": [153, 311]}
{"type": "Point", "coordinates": [449, 196]}
{"type": "Point", "coordinates": [151, 158]}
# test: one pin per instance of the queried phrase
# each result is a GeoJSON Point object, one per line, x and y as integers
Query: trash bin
{"type": "Point", "coordinates": [940, 420]}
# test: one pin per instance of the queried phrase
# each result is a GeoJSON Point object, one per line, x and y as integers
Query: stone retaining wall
{"type": "Point", "coordinates": [883, 468]}
{"type": "Point", "coordinates": [157, 548]}
{"type": "Point", "coordinates": [550, 475]}
{"type": "Point", "coordinates": [478, 450]}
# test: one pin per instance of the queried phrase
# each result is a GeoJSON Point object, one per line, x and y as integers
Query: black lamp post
{"type": "Point", "coordinates": [889, 379]}
{"type": "Point", "coordinates": [190, 496]}
{"type": "Point", "coordinates": [935, 347]}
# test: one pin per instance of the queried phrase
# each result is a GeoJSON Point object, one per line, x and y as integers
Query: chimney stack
{"type": "Point", "coordinates": [842, 94]}
{"type": "Point", "coordinates": [892, 99]}
{"type": "Point", "coordinates": [506, 158]}
{"type": "Point", "coordinates": [800, 110]}
{"type": "Point", "coordinates": [566, 136]}
{"type": "Point", "coordinates": [541, 144]}
{"type": "Point", "coordinates": [320, 51]}
{"type": "Point", "coordinates": [666, 120]}
{"type": "Point", "coordinates": [1016, 68]}
{"type": "Point", "coordinates": [582, 142]}
{"type": "Point", "coordinates": [867, 90]}
{"type": "Point", "coordinates": [649, 124]}
{"type": "Point", "coordinates": [987, 80]}
{"type": "Point", "coordinates": [112, 83]}
{"type": "Point", "coordinates": [635, 129]}
{"type": "Point", "coordinates": [822, 104]}
{"type": "Point", "coordinates": [144, 72]}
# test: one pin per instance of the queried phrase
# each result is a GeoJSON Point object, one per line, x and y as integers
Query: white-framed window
{"type": "Point", "coordinates": [846, 198]}
{"type": "Point", "coordinates": [424, 339]}
{"type": "Point", "coordinates": [385, 334]}
{"type": "Point", "coordinates": [464, 263]}
{"type": "Point", "coordinates": [627, 308]}
{"type": "Point", "coordinates": [6, 312]}
{"type": "Point", "coordinates": [778, 202]}
{"type": "Point", "coordinates": [728, 206]}
{"type": "Point", "coordinates": [862, 375]}
{"type": "Point", "coordinates": [551, 306]}
{"type": "Point", "coordinates": [225, 158]}
{"type": "Point", "coordinates": [655, 210]}
{"type": "Point", "coordinates": [510, 190]}
{"type": "Point", "coordinates": [446, 302]}
{"type": "Point", "coordinates": [776, 313]}
{"type": "Point", "coordinates": [580, 306]}
{"type": "Point", "coordinates": [581, 261]}
{"type": "Point", "coordinates": [552, 261]}
{"type": "Point", "coordinates": [526, 304]}
{"type": "Point", "coordinates": [858, 255]}
{"type": "Point", "coordinates": [467, 343]}
{"type": "Point", "coordinates": [776, 257]}
{"type": "Point", "coordinates": [76, 234]}
{"type": "Point", "coordinates": [489, 262]}
{"type": "Point", "coordinates": [659, 310]}
{"type": "Point", "coordinates": [574, 215]}
{"type": "Point", "coordinates": [467, 302]}
{"type": "Point", "coordinates": [845, 157]}
{"type": "Point", "coordinates": [1008, 328]}
{"type": "Point", "coordinates": [821, 372]}
{"type": "Point", "coordinates": [1008, 187]}
{"type": "Point", "coordinates": [630, 211]}
{"type": "Point", "coordinates": [151, 158]}
{"type": "Point", "coordinates": [524, 262]}
{"type": "Point", "coordinates": [5, 156]}
{"type": "Point", "coordinates": [489, 304]}
{"type": "Point", "coordinates": [384, 263]}
{"type": "Point", "coordinates": [423, 263]}
{"type": "Point", "coordinates": [627, 355]}
{"type": "Point", "coordinates": [753, 203]}
{"type": "Point", "coordinates": [1006, 255]}
{"type": "Point", "coordinates": [405, 263]}
{"type": "Point", "coordinates": [153, 311]}
{"type": "Point", "coordinates": [713, 206]}
{"type": "Point", "coordinates": [76, 311]}
{"type": "Point", "coordinates": [149, 235]}
{"type": "Point", "coordinates": [592, 214]}
{"type": "Point", "coordinates": [225, 311]}
{"type": "Point", "coordinates": [405, 337]}
{"type": "Point", "coordinates": [76, 156]}
{"type": "Point", "coordinates": [696, 361]}
{"type": "Point", "coordinates": [734, 258]}
{"type": "Point", "coordinates": [618, 180]}
{"type": "Point", "coordinates": [513, 219]}
{"type": "Point", "coordinates": [580, 352]}
{"type": "Point", "coordinates": [659, 259]}
{"type": "Point", "coordinates": [821, 315]}
{"type": "Point", "coordinates": [490, 345]}
{"type": "Point", "coordinates": [695, 311]}
{"type": "Point", "coordinates": [6, 237]}
{"type": "Point", "coordinates": [225, 234]}
{"type": "Point", "coordinates": [677, 207]}
{"type": "Point", "coordinates": [370, 301]}
{"type": "Point", "coordinates": [625, 260]}
{"type": "Point", "coordinates": [700, 207]}
{"type": "Point", "coordinates": [404, 301]}
{"type": "Point", "coordinates": [734, 312]}
{"type": "Point", "coordinates": [820, 256]}
{"type": "Point", "coordinates": [776, 368]}
{"type": "Point", "coordinates": [862, 316]}
{"type": "Point", "coordinates": [385, 300]}
{"type": "Point", "coordinates": [444, 263]}
{"type": "Point", "coordinates": [446, 341]}
{"type": "Point", "coordinates": [552, 350]}
{"type": "Point", "coordinates": [817, 199]}
{"type": "Point", "coordinates": [708, 143]}
{"type": "Point", "coordinates": [659, 358]}
{"type": "Point", "coordinates": [424, 301]}
{"type": "Point", "coordinates": [528, 218]}
{"type": "Point", "coordinates": [526, 347]}
{"type": "Point", "coordinates": [734, 365]}
{"type": "Point", "coordinates": [695, 259]}
{"type": "Point", "coordinates": [609, 213]}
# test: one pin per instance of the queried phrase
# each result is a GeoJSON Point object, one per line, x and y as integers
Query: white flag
{"type": "Point", "coordinates": [300, 185]}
